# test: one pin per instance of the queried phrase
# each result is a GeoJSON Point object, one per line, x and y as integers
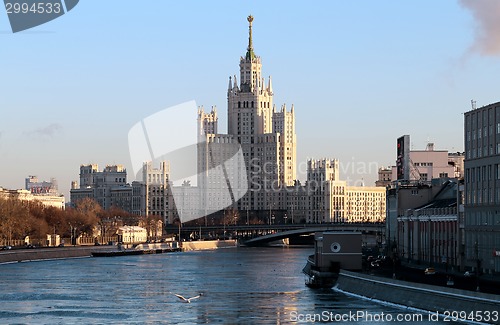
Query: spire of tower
{"type": "Point", "coordinates": [230, 84]}
{"type": "Point", "coordinates": [250, 54]}
{"type": "Point", "coordinates": [235, 82]}
{"type": "Point", "coordinates": [270, 85]}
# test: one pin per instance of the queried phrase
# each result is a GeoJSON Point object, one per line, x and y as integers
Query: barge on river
{"type": "Point", "coordinates": [332, 251]}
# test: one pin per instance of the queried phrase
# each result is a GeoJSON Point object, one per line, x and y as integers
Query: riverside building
{"type": "Point", "coordinates": [266, 136]}
{"type": "Point", "coordinates": [332, 200]}
{"type": "Point", "coordinates": [110, 188]}
{"type": "Point", "coordinates": [268, 141]}
{"type": "Point", "coordinates": [482, 188]}
{"type": "Point", "coordinates": [47, 199]}
{"type": "Point", "coordinates": [266, 187]}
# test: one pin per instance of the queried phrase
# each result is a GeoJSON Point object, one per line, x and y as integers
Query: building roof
{"type": "Point", "coordinates": [445, 203]}
{"type": "Point", "coordinates": [442, 198]}
{"type": "Point", "coordinates": [131, 229]}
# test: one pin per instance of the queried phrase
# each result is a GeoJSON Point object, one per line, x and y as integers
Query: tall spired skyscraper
{"type": "Point", "coordinates": [266, 135]}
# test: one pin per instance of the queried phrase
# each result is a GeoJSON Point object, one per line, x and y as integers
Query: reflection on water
{"type": "Point", "coordinates": [239, 286]}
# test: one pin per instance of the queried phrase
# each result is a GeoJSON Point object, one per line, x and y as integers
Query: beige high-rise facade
{"type": "Point", "coordinates": [109, 187]}
{"type": "Point", "coordinates": [266, 136]}
{"type": "Point", "coordinates": [156, 182]}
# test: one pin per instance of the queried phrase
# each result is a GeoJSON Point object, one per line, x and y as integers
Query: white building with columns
{"type": "Point", "coordinates": [332, 200]}
{"type": "Point", "coordinates": [48, 200]}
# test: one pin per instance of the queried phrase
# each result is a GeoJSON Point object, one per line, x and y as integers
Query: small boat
{"type": "Point", "coordinates": [321, 281]}
{"type": "Point", "coordinates": [318, 279]}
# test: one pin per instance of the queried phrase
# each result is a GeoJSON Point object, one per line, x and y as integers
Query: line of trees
{"type": "Point", "coordinates": [19, 219]}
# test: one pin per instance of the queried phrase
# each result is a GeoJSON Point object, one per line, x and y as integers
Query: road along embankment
{"type": "Point", "coordinates": [26, 255]}
{"type": "Point", "coordinates": [445, 301]}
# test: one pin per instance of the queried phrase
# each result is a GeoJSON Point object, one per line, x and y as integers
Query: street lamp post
{"type": "Point", "coordinates": [130, 237]}
{"type": "Point", "coordinates": [72, 237]}
{"type": "Point", "coordinates": [179, 225]}
{"type": "Point", "coordinates": [478, 264]}
{"type": "Point", "coordinates": [269, 213]}
{"type": "Point", "coordinates": [453, 260]}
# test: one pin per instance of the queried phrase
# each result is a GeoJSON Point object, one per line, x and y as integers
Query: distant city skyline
{"type": "Point", "coordinates": [358, 76]}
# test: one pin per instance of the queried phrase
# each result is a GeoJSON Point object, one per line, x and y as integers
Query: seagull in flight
{"type": "Point", "coordinates": [187, 300]}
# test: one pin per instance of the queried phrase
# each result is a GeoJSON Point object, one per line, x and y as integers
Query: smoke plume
{"type": "Point", "coordinates": [486, 14]}
{"type": "Point", "coordinates": [48, 131]}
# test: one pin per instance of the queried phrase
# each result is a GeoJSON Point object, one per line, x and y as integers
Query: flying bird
{"type": "Point", "coordinates": [187, 300]}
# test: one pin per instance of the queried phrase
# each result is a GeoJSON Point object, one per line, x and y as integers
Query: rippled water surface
{"type": "Point", "coordinates": [239, 286]}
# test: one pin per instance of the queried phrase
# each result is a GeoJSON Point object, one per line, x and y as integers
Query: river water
{"type": "Point", "coordinates": [238, 286]}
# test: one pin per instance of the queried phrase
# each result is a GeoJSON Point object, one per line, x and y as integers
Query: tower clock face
{"type": "Point", "coordinates": [335, 247]}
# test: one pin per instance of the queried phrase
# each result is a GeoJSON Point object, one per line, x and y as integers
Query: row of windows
{"type": "Point", "coordinates": [482, 152]}
{"type": "Point", "coordinates": [483, 173]}
{"type": "Point", "coordinates": [423, 164]}
{"type": "Point", "coordinates": [480, 218]}
{"type": "Point", "coordinates": [482, 116]}
{"type": "Point", "coordinates": [247, 104]}
{"type": "Point", "coordinates": [482, 132]}
{"type": "Point", "coordinates": [365, 194]}
{"type": "Point", "coordinates": [482, 196]}
{"type": "Point", "coordinates": [481, 125]}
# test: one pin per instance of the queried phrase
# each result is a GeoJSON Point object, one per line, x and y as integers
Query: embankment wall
{"type": "Point", "coordinates": [25, 255]}
{"type": "Point", "coordinates": [421, 296]}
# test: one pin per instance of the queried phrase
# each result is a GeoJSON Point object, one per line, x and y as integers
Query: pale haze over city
{"type": "Point", "coordinates": [359, 74]}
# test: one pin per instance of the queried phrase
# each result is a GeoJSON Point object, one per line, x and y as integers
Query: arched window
{"type": "Point", "coordinates": [239, 104]}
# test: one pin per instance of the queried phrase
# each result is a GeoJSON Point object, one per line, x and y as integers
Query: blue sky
{"type": "Point", "coordinates": [360, 74]}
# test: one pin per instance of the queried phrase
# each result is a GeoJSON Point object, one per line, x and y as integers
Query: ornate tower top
{"type": "Point", "coordinates": [250, 54]}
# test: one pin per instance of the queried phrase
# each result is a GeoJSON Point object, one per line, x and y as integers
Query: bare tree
{"type": "Point", "coordinates": [152, 224]}
{"type": "Point", "coordinates": [14, 219]}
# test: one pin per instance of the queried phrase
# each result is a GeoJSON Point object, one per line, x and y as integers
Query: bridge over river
{"type": "Point", "coordinates": [258, 235]}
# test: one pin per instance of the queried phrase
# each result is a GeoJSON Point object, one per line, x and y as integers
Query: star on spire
{"type": "Point", "coordinates": [250, 54]}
